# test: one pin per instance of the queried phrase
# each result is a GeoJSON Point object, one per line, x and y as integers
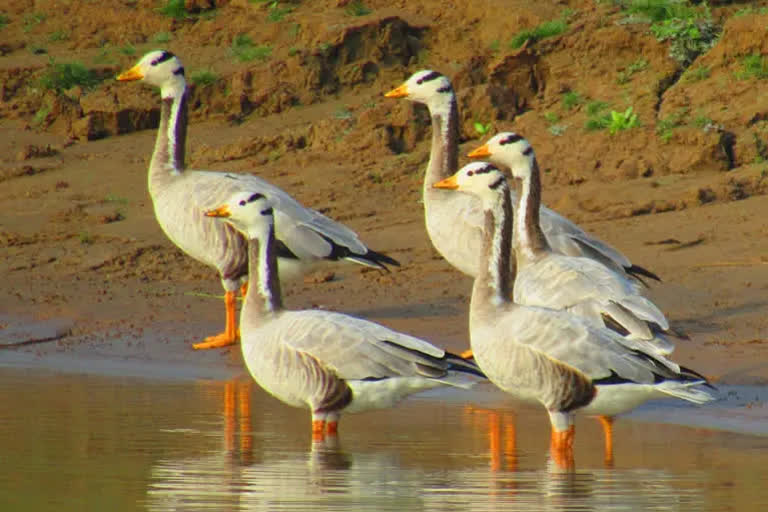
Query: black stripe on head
{"type": "Point", "coordinates": [268, 211]}
{"type": "Point", "coordinates": [163, 57]}
{"type": "Point", "coordinates": [179, 71]}
{"type": "Point", "coordinates": [528, 151]}
{"type": "Point", "coordinates": [429, 77]}
{"type": "Point", "coordinates": [483, 170]}
{"type": "Point", "coordinates": [511, 139]}
{"type": "Point", "coordinates": [445, 88]}
{"type": "Point", "coordinates": [255, 196]}
{"type": "Point", "coordinates": [496, 184]}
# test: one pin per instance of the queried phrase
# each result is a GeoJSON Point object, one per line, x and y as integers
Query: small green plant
{"type": "Point", "coordinates": [750, 10]}
{"type": "Point", "coordinates": [551, 117]}
{"type": "Point", "coordinates": [621, 121]}
{"type": "Point", "coordinates": [572, 99]}
{"type": "Point", "coordinates": [294, 30]}
{"type": "Point", "coordinates": [276, 13]}
{"type": "Point", "coordinates": [482, 129]}
{"type": "Point", "coordinates": [128, 50]}
{"type": "Point", "coordinates": [702, 121]}
{"type": "Point", "coordinates": [545, 30]}
{"type": "Point", "coordinates": [658, 10]}
{"type": "Point", "coordinates": [626, 74]}
{"type": "Point", "coordinates": [244, 50]}
{"type": "Point", "coordinates": [357, 8]}
{"type": "Point", "coordinates": [595, 107]}
{"type": "Point", "coordinates": [293, 51]}
{"type": "Point", "coordinates": [753, 66]}
{"type": "Point", "coordinates": [204, 78]}
{"type": "Point", "coordinates": [761, 150]}
{"type": "Point", "coordinates": [41, 115]}
{"type": "Point", "coordinates": [665, 126]}
{"type": "Point", "coordinates": [697, 74]}
{"type": "Point", "coordinates": [62, 76]}
{"type": "Point", "coordinates": [4, 20]}
{"type": "Point", "coordinates": [161, 37]}
{"type": "Point", "coordinates": [58, 35]}
{"type": "Point", "coordinates": [104, 57]}
{"type": "Point", "coordinates": [33, 19]}
{"type": "Point", "coordinates": [495, 46]}
{"type": "Point", "coordinates": [85, 238]}
{"type": "Point", "coordinates": [175, 9]}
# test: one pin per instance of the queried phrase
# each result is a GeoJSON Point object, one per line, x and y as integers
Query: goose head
{"type": "Point", "coordinates": [248, 212]}
{"type": "Point", "coordinates": [428, 87]}
{"type": "Point", "coordinates": [481, 179]}
{"type": "Point", "coordinates": [160, 68]}
{"type": "Point", "coordinates": [509, 150]}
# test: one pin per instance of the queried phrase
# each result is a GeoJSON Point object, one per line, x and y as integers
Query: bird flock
{"type": "Point", "coordinates": [557, 317]}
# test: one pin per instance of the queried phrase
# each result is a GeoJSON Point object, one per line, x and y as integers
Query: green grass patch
{"type": "Point", "coordinates": [357, 8]}
{"type": "Point", "coordinates": [62, 76]}
{"type": "Point", "coordinates": [204, 77]}
{"type": "Point", "coordinates": [753, 66]}
{"type": "Point", "coordinates": [128, 50]}
{"type": "Point", "coordinates": [572, 99]}
{"type": "Point", "coordinates": [33, 19]}
{"type": "Point", "coordinates": [545, 30]}
{"type": "Point", "coordinates": [58, 35]}
{"type": "Point", "coordinates": [481, 129]}
{"type": "Point", "coordinates": [595, 107]}
{"type": "Point", "coordinates": [665, 127]}
{"type": "Point", "coordinates": [244, 50]}
{"type": "Point", "coordinates": [658, 10]}
{"type": "Point", "coordinates": [175, 9]}
{"type": "Point", "coordinates": [161, 37]}
{"type": "Point", "coordinates": [625, 75]}
{"type": "Point", "coordinates": [697, 74]}
{"type": "Point", "coordinates": [4, 20]}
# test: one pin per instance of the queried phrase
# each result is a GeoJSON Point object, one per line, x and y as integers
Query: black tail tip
{"type": "Point", "coordinates": [381, 260]}
{"type": "Point", "coordinates": [637, 272]}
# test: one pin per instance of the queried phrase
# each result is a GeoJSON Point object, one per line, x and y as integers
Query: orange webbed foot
{"type": "Point", "coordinates": [220, 340]}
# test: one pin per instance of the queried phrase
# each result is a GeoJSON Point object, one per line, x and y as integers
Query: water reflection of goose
{"type": "Point", "coordinates": [554, 357]}
{"type": "Point", "coordinates": [325, 361]}
{"type": "Point", "coordinates": [180, 195]}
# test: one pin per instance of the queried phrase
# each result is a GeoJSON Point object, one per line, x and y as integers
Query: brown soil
{"type": "Point", "coordinates": [77, 233]}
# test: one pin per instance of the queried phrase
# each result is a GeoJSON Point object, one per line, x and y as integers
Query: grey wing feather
{"type": "Point", "coordinates": [594, 351]}
{"type": "Point", "coordinates": [356, 348]}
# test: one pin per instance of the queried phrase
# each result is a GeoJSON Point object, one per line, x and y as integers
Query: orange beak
{"type": "Point", "coordinates": [398, 92]}
{"type": "Point", "coordinates": [449, 183]}
{"type": "Point", "coordinates": [221, 211]}
{"type": "Point", "coordinates": [132, 74]}
{"type": "Point", "coordinates": [480, 152]}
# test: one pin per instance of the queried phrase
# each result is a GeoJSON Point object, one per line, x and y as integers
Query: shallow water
{"type": "Point", "coordinates": [88, 442]}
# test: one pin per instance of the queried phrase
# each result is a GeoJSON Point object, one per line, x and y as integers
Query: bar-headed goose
{"type": "Point", "coordinates": [552, 356]}
{"type": "Point", "coordinates": [547, 278]}
{"type": "Point", "coordinates": [305, 236]}
{"type": "Point", "coordinates": [454, 221]}
{"type": "Point", "coordinates": [325, 361]}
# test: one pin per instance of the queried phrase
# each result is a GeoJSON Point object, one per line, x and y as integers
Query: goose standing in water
{"type": "Point", "coordinates": [325, 361]}
{"type": "Point", "coordinates": [455, 221]}
{"type": "Point", "coordinates": [304, 236]}
{"type": "Point", "coordinates": [554, 357]}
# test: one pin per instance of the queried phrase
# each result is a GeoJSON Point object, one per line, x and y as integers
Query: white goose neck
{"type": "Point", "coordinates": [495, 282]}
{"type": "Point", "coordinates": [529, 239]}
{"type": "Point", "coordinates": [264, 296]}
{"type": "Point", "coordinates": [444, 152]}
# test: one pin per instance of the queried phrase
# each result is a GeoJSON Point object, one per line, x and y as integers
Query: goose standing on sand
{"type": "Point", "coordinates": [455, 221]}
{"type": "Point", "coordinates": [551, 356]}
{"type": "Point", "coordinates": [305, 236]}
{"type": "Point", "coordinates": [325, 361]}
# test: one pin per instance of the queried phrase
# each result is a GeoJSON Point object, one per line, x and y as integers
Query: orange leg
{"type": "Point", "coordinates": [561, 447]}
{"type": "Point", "coordinates": [332, 428]}
{"type": "Point", "coordinates": [607, 423]}
{"type": "Point", "coordinates": [230, 334]}
{"type": "Point", "coordinates": [244, 410]}
{"type": "Point", "coordinates": [229, 416]}
{"type": "Point", "coordinates": [318, 430]}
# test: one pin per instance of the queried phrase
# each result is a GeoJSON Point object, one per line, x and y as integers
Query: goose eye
{"type": "Point", "coordinates": [470, 173]}
{"type": "Point", "coordinates": [243, 203]}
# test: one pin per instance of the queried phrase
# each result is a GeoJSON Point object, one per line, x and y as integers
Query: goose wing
{"type": "Point", "coordinates": [358, 349]}
{"type": "Point", "coordinates": [591, 289]}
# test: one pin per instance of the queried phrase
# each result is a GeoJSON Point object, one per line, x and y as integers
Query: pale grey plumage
{"type": "Point", "coordinates": [552, 356]}
{"type": "Point", "coordinates": [179, 195]}
{"type": "Point", "coordinates": [327, 361]}
{"type": "Point", "coordinates": [458, 237]}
